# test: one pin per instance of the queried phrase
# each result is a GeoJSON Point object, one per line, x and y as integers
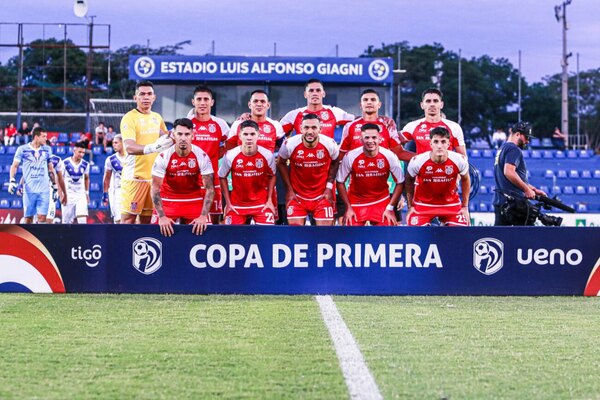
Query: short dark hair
{"type": "Point", "coordinates": [249, 124]}
{"type": "Point", "coordinates": [37, 131]}
{"type": "Point", "coordinates": [186, 122]}
{"type": "Point", "coordinates": [439, 131]}
{"type": "Point", "coordinates": [370, 126]}
{"type": "Point", "coordinates": [81, 145]}
{"type": "Point", "coordinates": [204, 89]}
{"type": "Point", "coordinates": [367, 91]}
{"type": "Point", "coordinates": [433, 91]}
{"type": "Point", "coordinates": [143, 83]}
{"type": "Point", "coordinates": [311, 116]}
{"type": "Point", "coordinates": [313, 80]}
{"type": "Point", "coordinates": [259, 91]}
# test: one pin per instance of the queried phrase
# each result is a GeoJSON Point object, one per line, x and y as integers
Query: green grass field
{"type": "Point", "coordinates": [277, 347]}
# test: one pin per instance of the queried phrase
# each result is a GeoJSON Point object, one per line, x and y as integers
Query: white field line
{"type": "Point", "coordinates": [359, 380]}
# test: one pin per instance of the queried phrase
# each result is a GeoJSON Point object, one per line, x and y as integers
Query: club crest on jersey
{"type": "Point", "coordinates": [192, 163]}
{"type": "Point", "coordinates": [380, 164]}
{"type": "Point", "coordinates": [259, 163]}
{"type": "Point", "coordinates": [134, 206]}
{"type": "Point", "coordinates": [267, 129]}
{"type": "Point", "coordinates": [212, 128]}
{"type": "Point", "coordinates": [449, 169]}
{"type": "Point", "coordinates": [320, 154]}
{"type": "Point", "coordinates": [324, 115]}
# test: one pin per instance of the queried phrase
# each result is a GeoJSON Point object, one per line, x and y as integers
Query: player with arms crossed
{"type": "Point", "coordinates": [431, 184]}
{"type": "Point", "coordinates": [432, 104]}
{"type": "Point", "coordinates": [77, 179]}
{"type": "Point", "coordinates": [313, 163]}
{"type": "Point", "coordinates": [368, 196]}
{"type": "Point", "coordinates": [252, 170]}
{"type": "Point", "coordinates": [178, 175]}
{"type": "Point", "coordinates": [330, 117]}
{"type": "Point", "coordinates": [113, 167]}
{"type": "Point", "coordinates": [210, 133]}
{"type": "Point", "coordinates": [144, 134]}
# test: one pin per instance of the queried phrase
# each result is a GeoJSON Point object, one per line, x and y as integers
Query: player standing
{"type": "Point", "coordinates": [77, 181]}
{"type": "Point", "coordinates": [57, 192]}
{"type": "Point", "coordinates": [144, 134]}
{"type": "Point", "coordinates": [313, 163]}
{"type": "Point", "coordinates": [330, 117]}
{"type": "Point", "coordinates": [252, 170]}
{"type": "Point", "coordinates": [178, 177]}
{"type": "Point", "coordinates": [111, 183]}
{"type": "Point", "coordinates": [367, 198]}
{"type": "Point", "coordinates": [210, 133]}
{"type": "Point", "coordinates": [432, 104]}
{"type": "Point", "coordinates": [431, 184]}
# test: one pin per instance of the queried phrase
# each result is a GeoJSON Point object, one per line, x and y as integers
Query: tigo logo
{"type": "Point", "coordinates": [147, 255]}
{"type": "Point", "coordinates": [488, 255]}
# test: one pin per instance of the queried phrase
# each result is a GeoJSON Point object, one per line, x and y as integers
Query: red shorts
{"type": "Point", "coordinates": [321, 209]}
{"type": "Point", "coordinates": [455, 218]}
{"type": "Point", "coordinates": [243, 215]}
{"type": "Point", "coordinates": [186, 211]}
{"type": "Point", "coordinates": [372, 212]}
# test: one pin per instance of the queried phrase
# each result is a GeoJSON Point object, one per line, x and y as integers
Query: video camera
{"type": "Point", "coordinates": [520, 211]}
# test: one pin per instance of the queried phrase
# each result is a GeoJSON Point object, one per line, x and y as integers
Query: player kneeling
{"type": "Point", "coordinates": [177, 186]}
{"type": "Point", "coordinates": [252, 171]}
{"type": "Point", "coordinates": [431, 184]}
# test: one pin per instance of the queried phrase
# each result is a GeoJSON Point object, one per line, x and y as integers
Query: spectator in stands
{"type": "Point", "coordinates": [109, 137]}
{"type": "Point", "coordinates": [498, 138]}
{"type": "Point", "coordinates": [23, 134]}
{"type": "Point", "coordinates": [9, 134]}
{"type": "Point", "coordinates": [100, 134]}
{"type": "Point", "coordinates": [559, 139]}
{"type": "Point", "coordinates": [510, 174]}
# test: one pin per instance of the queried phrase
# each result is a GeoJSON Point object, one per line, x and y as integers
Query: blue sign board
{"type": "Point", "coordinates": [371, 71]}
{"type": "Point", "coordinates": [301, 260]}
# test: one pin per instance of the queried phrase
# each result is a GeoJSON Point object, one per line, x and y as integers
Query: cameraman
{"type": "Point", "coordinates": [510, 174]}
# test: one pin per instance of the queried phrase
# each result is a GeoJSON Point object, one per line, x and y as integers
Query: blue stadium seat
{"type": "Point", "coordinates": [97, 150]}
{"type": "Point", "coordinates": [535, 143]}
{"type": "Point", "coordinates": [94, 187]}
{"type": "Point", "coordinates": [582, 207]}
{"type": "Point", "coordinates": [573, 174]}
{"type": "Point", "coordinates": [16, 203]}
{"type": "Point", "coordinates": [571, 154]}
{"type": "Point", "coordinates": [556, 190]}
{"type": "Point", "coordinates": [549, 174]}
{"type": "Point", "coordinates": [11, 150]}
{"type": "Point", "coordinates": [475, 153]}
{"type": "Point", "coordinates": [488, 153]}
{"type": "Point", "coordinates": [559, 154]}
{"type": "Point", "coordinates": [63, 138]}
{"type": "Point", "coordinates": [95, 170]}
{"type": "Point", "coordinates": [548, 154]}
{"type": "Point", "coordinates": [60, 150]}
{"type": "Point", "coordinates": [483, 207]}
{"type": "Point", "coordinates": [6, 168]}
{"type": "Point", "coordinates": [483, 189]}
{"type": "Point", "coordinates": [4, 203]}
{"type": "Point", "coordinates": [561, 173]}
{"type": "Point", "coordinates": [586, 174]}
{"type": "Point", "coordinates": [597, 174]}
{"type": "Point", "coordinates": [2, 149]}
{"type": "Point", "coordinates": [93, 205]}
{"type": "Point", "coordinates": [70, 150]}
{"type": "Point", "coordinates": [584, 154]}
{"type": "Point", "coordinates": [488, 173]}
{"type": "Point", "coordinates": [74, 137]}
{"type": "Point", "coordinates": [472, 207]}
{"type": "Point", "coordinates": [109, 150]}
{"type": "Point", "coordinates": [526, 153]}
{"type": "Point", "coordinates": [536, 154]}
{"type": "Point", "coordinates": [547, 143]}
{"type": "Point", "coordinates": [580, 190]}
{"type": "Point", "coordinates": [592, 190]}
{"type": "Point", "coordinates": [544, 189]}
{"type": "Point", "coordinates": [568, 190]}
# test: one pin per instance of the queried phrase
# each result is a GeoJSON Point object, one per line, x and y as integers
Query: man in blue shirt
{"type": "Point", "coordinates": [510, 173]}
{"type": "Point", "coordinates": [35, 157]}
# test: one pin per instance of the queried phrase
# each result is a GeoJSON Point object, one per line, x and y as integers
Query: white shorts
{"type": "Point", "coordinates": [73, 209]}
{"type": "Point", "coordinates": [114, 200]}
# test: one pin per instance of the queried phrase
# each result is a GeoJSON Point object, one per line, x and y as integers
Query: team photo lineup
{"type": "Point", "coordinates": [203, 171]}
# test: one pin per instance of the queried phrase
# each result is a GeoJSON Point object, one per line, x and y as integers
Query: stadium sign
{"type": "Point", "coordinates": [357, 70]}
{"type": "Point", "coordinates": [301, 260]}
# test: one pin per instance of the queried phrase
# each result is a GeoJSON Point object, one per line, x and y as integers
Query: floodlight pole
{"type": "Point", "coordinates": [20, 41]}
{"type": "Point", "coordinates": [561, 14]}
{"type": "Point", "coordinates": [88, 77]}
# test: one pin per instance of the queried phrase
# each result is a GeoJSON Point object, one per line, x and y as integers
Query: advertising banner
{"type": "Point", "coordinates": [359, 70]}
{"type": "Point", "coordinates": [301, 260]}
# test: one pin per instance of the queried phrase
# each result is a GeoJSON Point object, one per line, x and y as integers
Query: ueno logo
{"type": "Point", "coordinates": [147, 255]}
{"type": "Point", "coordinates": [90, 256]}
{"type": "Point", "coordinates": [549, 256]}
{"type": "Point", "coordinates": [488, 255]}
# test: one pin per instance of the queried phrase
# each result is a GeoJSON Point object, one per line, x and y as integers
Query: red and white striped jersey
{"type": "Point", "coordinates": [435, 184]}
{"type": "Point", "coordinates": [419, 132]}
{"type": "Point", "coordinates": [209, 135]}
{"type": "Point", "coordinates": [269, 131]}
{"type": "Point", "coordinates": [352, 132]}
{"type": "Point", "coordinates": [369, 175]}
{"type": "Point", "coordinates": [309, 167]}
{"type": "Point", "coordinates": [330, 117]}
{"type": "Point", "coordinates": [249, 176]}
{"type": "Point", "coordinates": [182, 176]}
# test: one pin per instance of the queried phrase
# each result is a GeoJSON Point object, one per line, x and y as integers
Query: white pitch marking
{"type": "Point", "coordinates": [359, 380]}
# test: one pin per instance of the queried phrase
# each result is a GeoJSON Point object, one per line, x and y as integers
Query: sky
{"type": "Point", "coordinates": [313, 28]}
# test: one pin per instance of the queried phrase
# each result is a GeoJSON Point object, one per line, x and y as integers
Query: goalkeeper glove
{"type": "Point", "coordinates": [12, 186]}
{"type": "Point", "coordinates": [162, 143]}
{"type": "Point", "coordinates": [105, 198]}
{"type": "Point", "coordinates": [55, 196]}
